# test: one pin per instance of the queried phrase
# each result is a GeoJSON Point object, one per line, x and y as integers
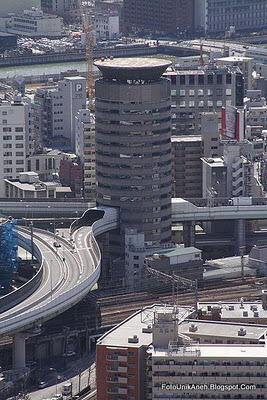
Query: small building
{"type": "Point", "coordinates": [71, 174]}
{"type": "Point", "coordinates": [28, 186]}
{"type": "Point", "coordinates": [35, 23]}
{"type": "Point", "coordinates": [185, 262]}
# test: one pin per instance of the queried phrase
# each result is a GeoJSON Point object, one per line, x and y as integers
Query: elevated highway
{"type": "Point", "coordinates": [68, 274]}
{"type": "Point", "coordinates": [183, 211]}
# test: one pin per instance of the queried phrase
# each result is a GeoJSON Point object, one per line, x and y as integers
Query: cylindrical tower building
{"type": "Point", "coordinates": [133, 159]}
{"type": "Point", "coordinates": [133, 144]}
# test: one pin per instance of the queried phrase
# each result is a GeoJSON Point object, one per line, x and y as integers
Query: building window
{"type": "Point", "coordinates": [191, 79]}
{"type": "Point", "coordinates": [182, 79]}
{"type": "Point", "coordinates": [182, 92]}
{"type": "Point", "coordinates": [201, 79]}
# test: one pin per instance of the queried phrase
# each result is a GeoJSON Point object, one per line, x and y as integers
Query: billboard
{"type": "Point", "coordinates": [232, 123]}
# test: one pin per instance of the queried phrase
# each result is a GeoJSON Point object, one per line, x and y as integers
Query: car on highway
{"type": "Point", "coordinates": [56, 244]}
{"type": "Point", "coordinates": [42, 385]}
{"type": "Point", "coordinates": [69, 354]}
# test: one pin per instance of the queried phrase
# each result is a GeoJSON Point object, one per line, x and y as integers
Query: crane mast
{"type": "Point", "coordinates": [89, 49]}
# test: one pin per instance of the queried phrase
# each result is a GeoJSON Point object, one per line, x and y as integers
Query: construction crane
{"type": "Point", "coordinates": [89, 48]}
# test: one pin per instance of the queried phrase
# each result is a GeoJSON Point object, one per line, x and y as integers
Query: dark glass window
{"type": "Point", "coordinates": [201, 79]}
{"type": "Point", "coordinates": [191, 79]}
{"type": "Point", "coordinates": [219, 79]}
{"type": "Point", "coordinates": [210, 79]}
{"type": "Point", "coordinates": [182, 79]}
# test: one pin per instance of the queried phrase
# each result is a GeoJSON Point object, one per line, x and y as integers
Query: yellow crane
{"type": "Point", "coordinates": [89, 49]}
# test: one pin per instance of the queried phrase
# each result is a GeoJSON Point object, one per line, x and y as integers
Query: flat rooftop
{"type": "Point", "coordinates": [245, 310]}
{"type": "Point", "coordinates": [222, 329]}
{"type": "Point", "coordinates": [136, 68]}
{"type": "Point", "coordinates": [187, 138]}
{"type": "Point", "coordinates": [134, 325]}
{"type": "Point", "coordinates": [216, 351]}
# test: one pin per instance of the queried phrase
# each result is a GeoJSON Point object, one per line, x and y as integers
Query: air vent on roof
{"type": "Point", "coordinates": [256, 314]}
{"type": "Point", "coordinates": [148, 329]}
{"type": "Point", "coordinates": [133, 339]}
{"type": "Point", "coordinates": [231, 308]}
{"type": "Point", "coordinates": [245, 313]}
{"type": "Point", "coordinates": [192, 328]}
{"type": "Point", "coordinates": [242, 332]}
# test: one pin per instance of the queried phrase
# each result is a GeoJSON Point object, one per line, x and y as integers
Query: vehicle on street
{"type": "Point", "coordinates": [67, 389]}
{"type": "Point", "coordinates": [42, 384]}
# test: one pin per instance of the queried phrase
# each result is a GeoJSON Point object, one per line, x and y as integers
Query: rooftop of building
{"type": "Point", "coordinates": [137, 324]}
{"type": "Point", "coordinates": [186, 138]}
{"type": "Point", "coordinates": [235, 58]}
{"type": "Point", "coordinates": [178, 251]}
{"type": "Point", "coordinates": [207, 69]}
{"type": "Point", "coordinates": [241, 310]}
{"type": "Point", "coordinates": [38, 186]}
{"type": "Point", "coordinates": [214, 162]}
{"type": "Point", "coordinates": [215, 352]}
{"type": "Point", "coordinates": [223, 329]}
{"type": "Point", "coordinates": [136, 68]}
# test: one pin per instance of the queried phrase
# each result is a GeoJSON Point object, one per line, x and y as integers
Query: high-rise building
{"type": "Point", "coordinates": [187, 166]}
{"type": "Point", "coordinates": [133, 146]}
{"type": "Point", "coordinates": [163, 17]}
{"type": "Point", "coordinates": [15, 138]}
{"type": "Point", "coordinates": [232, 175]}
{"type": "Point", "coordinates": [198, 90]}
{"type": "Point", "coordinates": [85, 149]}
{"type": "Point", "coordinates": [244, 63]}
{"type": "Point", "coordinates": [57, 107]}
{"type": "Point", "coordinates": [212, 146]}
{"type": "Point", "coordinates": [214, 16]}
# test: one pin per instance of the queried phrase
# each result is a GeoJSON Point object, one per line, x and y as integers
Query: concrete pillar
{"type": "Point", "coordinates": [240, 235]}
{"type": "Point", "coordinates": [189, 233]}
{"type": "Point", "coordinates": [19, 350]}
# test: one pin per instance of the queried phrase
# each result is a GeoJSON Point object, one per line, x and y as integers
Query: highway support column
{"type": "Point", "coordinates": [240, 235]}
{"type": "Point", "coordinates": [19, 350]}
{"type": "Point", "coordinates": [189, 233]}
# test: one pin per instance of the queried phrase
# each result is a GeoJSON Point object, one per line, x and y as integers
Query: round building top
{"type": "Point", "coordinates": [122, 69]}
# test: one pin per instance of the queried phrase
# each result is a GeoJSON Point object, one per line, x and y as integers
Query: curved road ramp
{"type": "Point", "coordinates": [66, 274]}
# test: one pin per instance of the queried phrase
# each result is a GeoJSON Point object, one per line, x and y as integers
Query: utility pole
{"type": "Point", "coordinates": [32, 248]}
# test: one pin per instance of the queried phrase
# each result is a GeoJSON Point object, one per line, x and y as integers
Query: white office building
{"type": "Point", "coordinates": [14, 139]}
{"type": "Point", "coordinates": [35, 23]}
{"type": "Point", "coordinates": [106, 26]}
{"type": "Point", "coordinates": [57, 107]}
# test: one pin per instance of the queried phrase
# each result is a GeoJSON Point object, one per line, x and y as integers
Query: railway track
{"type": "Point", "coordinates": [118, 312]}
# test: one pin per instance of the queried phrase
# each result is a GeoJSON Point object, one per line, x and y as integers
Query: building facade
{"type": "Point", "coordinates": [168, 17]}
{"type": "Point", "coordinates": [187, 166]}
{"type": "Point", "coordinates": [214, 16]}
{"type": "Point", "coordinates": [35, 23]}
{"type": "Point", "coordinates": [85, 149]}
{"type": "Point", "coordinates": [56, 108]}
{"type": "Point", "coordinates": [133, 149]}
{"type": "Point", "coordinates": [161, 352]}
{"type": "Point", "coordinates": [198, 90]}
{"type": "Point", "coordinates": [14, 139]}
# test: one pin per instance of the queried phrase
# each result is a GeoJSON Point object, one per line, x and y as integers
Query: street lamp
{"type": "Point", "coordinates": [54, 370]}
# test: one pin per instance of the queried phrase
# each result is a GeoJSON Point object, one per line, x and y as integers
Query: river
{"type": "Point", "coordinates": [44, 69]}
